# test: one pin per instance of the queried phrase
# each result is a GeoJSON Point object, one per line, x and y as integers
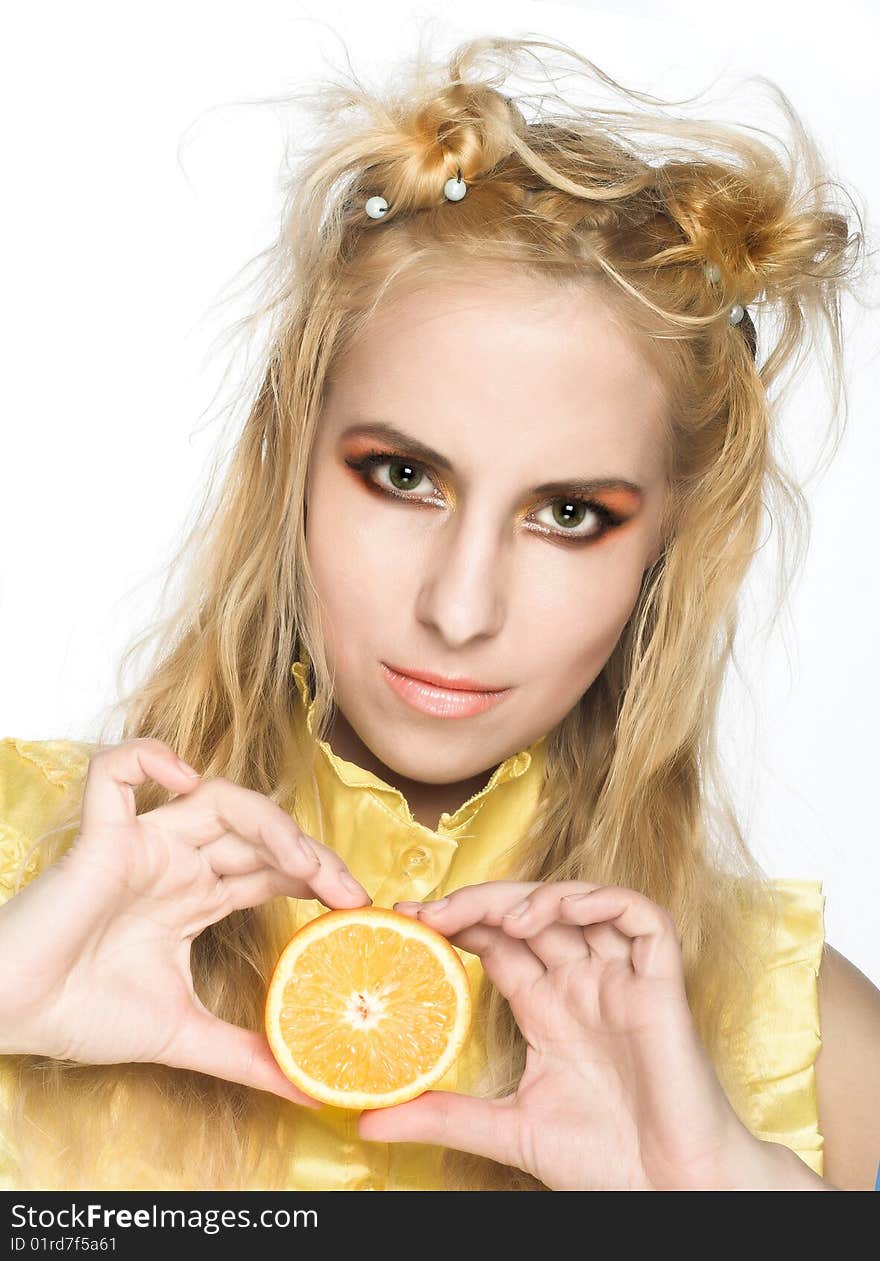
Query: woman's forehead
{"type": "Point", "coordinates": [458, 364]}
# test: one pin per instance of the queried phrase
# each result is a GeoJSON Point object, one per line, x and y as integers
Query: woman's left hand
{"type": "Point", "coordinates": [618, 1091]}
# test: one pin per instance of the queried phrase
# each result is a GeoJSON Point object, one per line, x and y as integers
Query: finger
{"type": "Point", "coordinates": [534, 919]}
{"type": "Point", "coordinates": [483, 1126]}
{"type": "Point", "coordinates": [555, 946]}
{"type": "Point", "coordinates": [491, 901]}
{"type": "Point", "coordinates": [330, 880]}
{"type": "Point", "coordinates": [607, 943]}
{"type": "Point", "coordinates": [539, 906]}
{"type": "Point", "coordinates": [231, 855]}
{"type": "Point", "coordinates": [237, 893]}
{"type": "Point", "coordinates": [510, 965]}
{"type": "Point", "coordinates": [654, 946]}
{"type": "Point", "coordinates": [472, 904]}
{"type": "Point", "coordinates": [223, 807]}
{"type": "Point", "coordinates": [209, 1045]}
{"type": "Point", "coordinates": [113, 773]}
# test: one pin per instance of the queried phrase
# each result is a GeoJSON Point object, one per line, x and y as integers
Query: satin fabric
{"type": "Point", "coordinates": [369, 823]}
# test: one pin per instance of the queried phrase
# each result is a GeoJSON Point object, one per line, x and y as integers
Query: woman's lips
{"type": "Point", "coordinates": [442, 702]}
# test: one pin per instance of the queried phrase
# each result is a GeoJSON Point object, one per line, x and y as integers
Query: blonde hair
{"type": "Point", "coordinates": [633, 201]}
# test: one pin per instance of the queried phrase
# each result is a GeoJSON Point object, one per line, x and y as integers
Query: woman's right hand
{"type": "Point", "coordinates": [96, 949]}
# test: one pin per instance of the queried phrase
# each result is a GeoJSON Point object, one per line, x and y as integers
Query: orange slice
{"type": "Point", "coordinates": [367, 1008]}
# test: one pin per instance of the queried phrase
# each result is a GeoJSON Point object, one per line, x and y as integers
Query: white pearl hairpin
{"type": "Point", "coordinates": [453, 190]}
{"type": "Point", "coordinates": [455, 187]}
{"type": "Point", "coordinates": [376, 207]}
{"type": "Point", "coordinates": [713, 274]}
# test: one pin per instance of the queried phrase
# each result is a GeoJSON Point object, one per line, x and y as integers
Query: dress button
{"type": "Point", "coordinates": [415, 861]}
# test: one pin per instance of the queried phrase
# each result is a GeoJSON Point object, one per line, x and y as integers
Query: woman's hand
{"type": "Point", "coordinates": [96, 949]}
{"type": "Point", "coordinates": [618, 1091]}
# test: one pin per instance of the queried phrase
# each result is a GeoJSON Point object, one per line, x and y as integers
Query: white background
{"type": "Point", "coordinates": [139, 181]}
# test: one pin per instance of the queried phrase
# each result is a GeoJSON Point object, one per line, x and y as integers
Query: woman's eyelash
{"type": "Point", "coordinates": [373, 458]}
{"type": "Point", "coordinates": [364, 463]}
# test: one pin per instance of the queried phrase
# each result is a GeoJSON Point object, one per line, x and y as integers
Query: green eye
{"type": "Point", "coordinates": [568, 513]}
{"type": "Point", "coordinates": [403, 475]}
{"type": "Point", "coordinates": [409, 476]}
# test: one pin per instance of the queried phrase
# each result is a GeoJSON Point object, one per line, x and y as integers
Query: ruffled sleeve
{"type": "Point", "coordinates": [782, 1037]}
{"type": "Point", "coordinates": [36, 780]}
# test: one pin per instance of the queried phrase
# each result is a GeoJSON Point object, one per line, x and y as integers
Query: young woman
{"type": "Point", "coordinates": [456, 630]}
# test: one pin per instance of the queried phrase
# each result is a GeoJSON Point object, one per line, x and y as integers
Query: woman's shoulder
{"type": "Point", "coordinates": [812, 1043]}
{"type": "Point", "coordinates": [38, 779]}
{"type": "Point", "coordinates": [848, 1072]}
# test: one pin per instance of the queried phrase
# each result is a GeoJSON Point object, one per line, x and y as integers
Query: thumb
{"type": "Point", "coordinates": [484, 1127]}
{"type": "Point", "coordinates": [209, 1045]}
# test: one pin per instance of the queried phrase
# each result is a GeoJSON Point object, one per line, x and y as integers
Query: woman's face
{"type": "Point", "coordinates": [468, 563]}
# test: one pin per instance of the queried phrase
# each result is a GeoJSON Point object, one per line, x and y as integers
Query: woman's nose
{"type": "Point", "coordinates": [464, 583]}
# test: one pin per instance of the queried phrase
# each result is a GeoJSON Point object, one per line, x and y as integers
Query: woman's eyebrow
{"type": "Point", "coordinates": [581, 486]}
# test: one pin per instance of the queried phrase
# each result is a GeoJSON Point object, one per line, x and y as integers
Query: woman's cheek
{"type": "Point", "coordinates": [372, 561]}
{"type": "Point", "coordinates": [596, 605]}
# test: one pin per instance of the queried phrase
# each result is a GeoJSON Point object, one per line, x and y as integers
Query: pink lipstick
{"type": "Point", "coordinates": [461, 701]}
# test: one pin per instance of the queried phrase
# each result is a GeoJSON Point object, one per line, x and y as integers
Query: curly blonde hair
{"type": "Point", "coordinates": [633, 200]}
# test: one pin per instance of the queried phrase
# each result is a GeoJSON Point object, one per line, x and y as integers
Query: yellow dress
{"type": "Point", "coordinates": [369, 823]}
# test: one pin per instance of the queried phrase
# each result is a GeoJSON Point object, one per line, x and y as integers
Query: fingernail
{"type": "Point", "coordinates": [352, 884]}
{"type": "Point", "coordinates": [516, 910]}
{"type": "Point", "coordinates": [435, 906]}
{"type": "Point", "coordinates": [187, 769]}
{"type": "Point", "coordinates": [406, 907]}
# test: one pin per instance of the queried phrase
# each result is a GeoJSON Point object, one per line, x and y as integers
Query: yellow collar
{"type": "Point", "coordinates": [353, 776]}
